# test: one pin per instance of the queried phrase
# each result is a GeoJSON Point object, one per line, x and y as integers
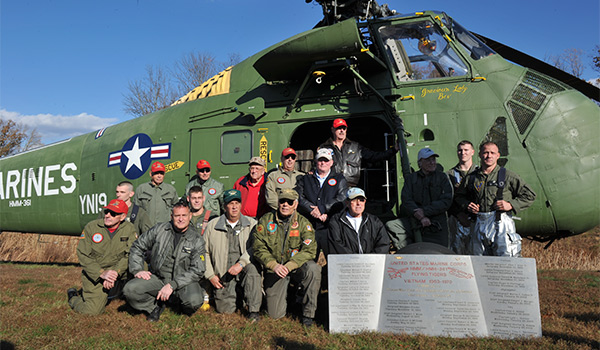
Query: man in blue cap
{"type": "Point", "coordinates": [426, 196]}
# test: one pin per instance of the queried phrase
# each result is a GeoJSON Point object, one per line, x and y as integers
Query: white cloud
{"type": "Point", "coordinates": [54, 128]}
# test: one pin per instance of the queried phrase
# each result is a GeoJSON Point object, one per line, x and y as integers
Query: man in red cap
{"type": "Point", "coordinates": [103, 253]}
{"type": "Point", "coordinates": [348, 155]}
{"type": "Point", "coordinates": [211, 188]}
{"type": "Point", "coordinates": [156, 197]}
{"type": "Point", "coordinates": [283, 177]}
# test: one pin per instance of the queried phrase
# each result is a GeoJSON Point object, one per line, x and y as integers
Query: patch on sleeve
{"type": "Point", "coordinates": [259, 228]}
{"type": "Point", "coordinates": [82, 235]}
{"type": "Point", "coordinates": [307, 241]}
{"type": "Point", "coordinates": [294, 252]}
{"type": "Point", "coordinates": [308, 228]}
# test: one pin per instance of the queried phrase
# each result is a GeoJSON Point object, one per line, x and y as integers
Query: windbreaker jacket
{"type": "Point", "coordinates": [217, 245]}
{"type": "Point", "coordinates": [343, 239]}
{"type": "Point", "coordinates": [189, 263]}
{"type": "Point", "coordinates": [329, 198]}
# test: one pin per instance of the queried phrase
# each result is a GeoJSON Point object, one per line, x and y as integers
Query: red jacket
{"type": "Point", "coordinates": [254, 203]}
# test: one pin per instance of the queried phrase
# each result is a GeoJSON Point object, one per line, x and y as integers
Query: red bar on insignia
{"type": "Point", "coordinates": [114, 158]}
{"type": "Point", "coordinates": [159, 151]}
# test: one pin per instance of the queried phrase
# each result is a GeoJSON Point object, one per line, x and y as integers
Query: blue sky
{"type": "Point", "coordinates": [65, 64]}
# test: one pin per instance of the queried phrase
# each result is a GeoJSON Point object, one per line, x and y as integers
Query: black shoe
{"type": "Point", "coordinates": [71, 292]}
{"type": "Point", "coordinates": [254, 317]}
{"type": "Point", "coordinates": [307, 321]}
{"type": "Point", "coordinates": [155, 314]}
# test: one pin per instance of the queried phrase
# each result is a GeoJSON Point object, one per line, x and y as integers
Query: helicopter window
{"type": "Point", "coordinates": [419, 51]}
{"type": "Point", "coordinates": [471, 43]}
{"type": "Point", "coordinates": [236, 147]}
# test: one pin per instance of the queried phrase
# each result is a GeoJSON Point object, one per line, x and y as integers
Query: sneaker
{"type": "Point", "coordinates": [71, 292]}
{"type": "Point", "coordinates": [205, 306]}
{"type": "Point", "coordinates": [155, 314]}
{"type": "Point", "coordinates": [307, 321]}
{"type": "Point", "coordinates": [254, 317]}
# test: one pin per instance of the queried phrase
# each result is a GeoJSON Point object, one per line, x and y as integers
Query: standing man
{"type": "Point", "coordinates": [494, 194]}
{"type": "Point", "coordinates": [321, 195]}
{"type": "Point", "coordinates": [348, 155]}
{"type": "Point", "coordinates": [156, 197]}
{"type": "Point", "coordinates": [212, 189]}
{"type": "Point", "coordinates": [228, 265]}
{"type": "Point", "coordinates": [284, 244]}
{"type": "Point", "coordinates": [200, 215]}
{"type": "Point", "coordinates": [426, 196]}
{"type": "Point", "coordinates": [353, 231]}
{"type": "Point", "coordinates": [252, 188]}
{"type": "Point", "coordinates": [136, 215]}
{"type": "Point", "coordinates": [284, 177]}
{"type": "Point", "coordinates": [103, 251]}
{"type": "Point", "coordinates": [175, 269]}
{"type": "Point", "coordinates": [458, 220]}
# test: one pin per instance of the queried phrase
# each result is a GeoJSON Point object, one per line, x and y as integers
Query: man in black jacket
{"type": "Point", "coordinates": [348, 155]}
{"type": "Point", "coordinates": [321, 195]}
{"type": "Point", "coordinates": [353, 231]}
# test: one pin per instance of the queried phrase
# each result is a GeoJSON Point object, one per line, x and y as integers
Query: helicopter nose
{"type": "Point", "coordinates": [564, 147]}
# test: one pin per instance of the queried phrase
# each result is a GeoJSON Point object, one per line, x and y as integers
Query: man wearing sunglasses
{"type": "Point", "coordinates": [348, 155]}
{"type": "Point", "coordinates": [156, 197]}
{"type": "Point", "coordinates": [354, 231]}
{"type": "Point", "coordinates": [211, 188]}
{"type": "Point", "coordinates": [282, 177]}
{"type": "Point", "coordinates": [103, 253]}
{"type": "Point", "coordinates": [284, 244]}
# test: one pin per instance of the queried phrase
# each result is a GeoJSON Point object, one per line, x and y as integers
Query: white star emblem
{"type": "Point", "coordinates": [134, 155]}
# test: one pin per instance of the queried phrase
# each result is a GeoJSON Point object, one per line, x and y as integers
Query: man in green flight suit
{"type": "Point", "coordinates": [212, 189]}
{"type": "Point", "coordinates": [284, 244]}
{"type": "Point", "coordinates": [156, 197]}
{"type": "Point", "coordinates": [103, 252]}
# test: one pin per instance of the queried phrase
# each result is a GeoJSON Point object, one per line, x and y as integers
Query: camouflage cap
{"type": "Point", "coordinates": [288, 193]}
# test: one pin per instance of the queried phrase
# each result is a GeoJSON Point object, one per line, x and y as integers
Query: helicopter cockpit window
{"type": "Point", "coordinates": [476, 48]}
{"type": "Point", "coordinates": [419, 51]}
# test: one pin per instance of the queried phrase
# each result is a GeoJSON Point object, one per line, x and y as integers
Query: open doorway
{"type": "Point", "coordinates": [378, 179]}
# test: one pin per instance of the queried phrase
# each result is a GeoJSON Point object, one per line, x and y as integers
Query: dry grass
{"type": "Point", "coordinates": [33, 247]}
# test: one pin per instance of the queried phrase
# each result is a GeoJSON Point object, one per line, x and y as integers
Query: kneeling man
{"type": "Point", "coordinates": [176, 266]}
{"type": "Point", "coordinates": [284, 244]}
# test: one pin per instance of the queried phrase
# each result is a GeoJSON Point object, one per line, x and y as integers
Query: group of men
{"type": "Point", "coordinates": [273, 229]}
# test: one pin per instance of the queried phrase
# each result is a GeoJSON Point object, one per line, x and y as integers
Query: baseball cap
{"type": "Point", "coordinates": [425, 153]}
{"type": "Point", "coordinates": [288, 151]}
{"type": "Point", "coordinates": [231, 195]}
{"type": "Point", "coordinates": [202, 164]}
{"type": "Point", "coordinates": [257, 160]}
{"type": "Point", "coordinates": [324, 153]}
{"type": "Point", "coordinates": [288, 193]}
{"type": "Point", "coordinates": [157, 166]}
{"type": "Point", "coordinates": [118, 206]}
{"type": "Point", "coordinates": [339, 122]}
{"type": "Point", "coordinates": [355, 192]}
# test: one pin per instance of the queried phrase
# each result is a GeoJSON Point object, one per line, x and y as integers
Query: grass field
{"type": "Point", "coordinates": [34, 314]}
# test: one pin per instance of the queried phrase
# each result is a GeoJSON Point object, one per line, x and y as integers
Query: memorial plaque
{"type": "Point", "coordinates": [437, 295]}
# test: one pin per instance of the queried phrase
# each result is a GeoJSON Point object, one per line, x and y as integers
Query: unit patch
{"type": "Point", "coordinates": [478, 185]}
{"type": "Point", "coordinates": [332, 182]}
{"type": "Point", "coordinates": [294, 233]}
{"type": "Point", "coordinates": [271, 227]}
{"type": "Point", "coordinates": [307, 241]}
{"type": "Point", "coordinates": [259, 228]}
{"type": "Point", "coordinates": [308, 228]}
{"type": "Point", "coordinates": [97, 237]}
{"type": "Point", "coordinates": [294, 252]}
{"type": "Point", "coordinates": [212, 191]}
{"type": "Point", "coordinates": [295, 224]}
{"type": "Point", "coordinates": [281, 180]}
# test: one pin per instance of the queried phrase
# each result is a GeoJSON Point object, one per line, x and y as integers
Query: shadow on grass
{"type": "Point", "coordinates": [283, 343]}
{"type": "Point", "coordinates": [555, 336]}
{"type": "Point", "coordinates": [588, 317]}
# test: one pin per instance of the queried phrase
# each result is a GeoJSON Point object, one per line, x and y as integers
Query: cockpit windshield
{"type": "Point", "coordinates": [419, 51]}
{"type": "Point", "coordinates": [471, 43]}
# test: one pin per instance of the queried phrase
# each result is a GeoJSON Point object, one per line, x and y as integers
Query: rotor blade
{"type": "Point", "coordinates": [525, 60]}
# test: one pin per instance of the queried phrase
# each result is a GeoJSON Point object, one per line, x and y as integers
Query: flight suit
{"type": "Point", "coordinates": [460, 236]}
{"type": "Point", "coordinates": [156, 200]}
{"type": "Point", "coordinates": [291, 243]}
{"type": "Point", "coordinates": [276, 181]}
{"type": "Point", "coordinates": [213, 193]}
{"type": "Point", "coordinates": [99, 250]}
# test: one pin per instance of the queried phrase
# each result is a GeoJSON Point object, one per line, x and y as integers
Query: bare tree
{"type": "Point", "coordinates": [192, 70]}
{"type": "Point", "coordinates": [596, 59]}
{"type": "Point", "coordinates": [150, 94]}
{"type": "Point", "coordinates": [16, 138]}
{"type": "Point", "coordinates": [569, 61]}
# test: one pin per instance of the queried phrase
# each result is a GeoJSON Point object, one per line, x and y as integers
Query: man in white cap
{"type": "Point", "coordinates": [252, 188]}
{"type": "Point", "coordinates": [426, 196]}
{"type": "Point", "coordinates": [354, 231]}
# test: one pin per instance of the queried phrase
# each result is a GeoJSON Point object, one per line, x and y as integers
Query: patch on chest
{"type": "Point", "coordinates": [97, 237]}
{"type": "Point", "coordinates": [281, 180]}
{"type": "Point", "coordinates": [332, 182]}
{"type": "Point", "coordinates": [212, 191]}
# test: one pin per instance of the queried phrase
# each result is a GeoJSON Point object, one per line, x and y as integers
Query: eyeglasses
{"type": "Point", "coordinates": [204, 170]}
{"type": "Point", "coordinates": [112, 213]}
{"type": "Point", "coordinates": [341, 127]}
{"type": "Point", "coordinates": [285, 200]}
{"type": "Point", "coordinates": [293, 156]}
{"type": "Point", "coordinates": [324, 160]}
{"type": "Point", "coordinates": [359, 199]}
{"type": "Point", "coordinates": [158, 173]}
